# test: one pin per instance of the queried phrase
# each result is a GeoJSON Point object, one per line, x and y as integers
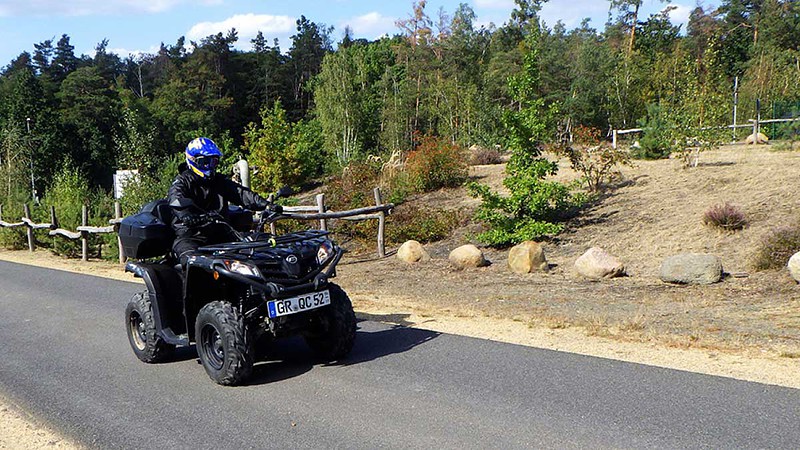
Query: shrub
{"type": "Point", "coordinates": [282, 153]}
{"type": "Point", "coordinates": [424, 225]}
{"type": "Point", "coordinates": [532, 210]}
{"type": "Point", "coordinates": [149, 186]}
{"type": "Point", "coordinates": [596, 164]}
{"type": "Point", "coordinates": [484, 156]}
{"type": "Point", "coordinates": [656, 142]}
{"type": "Point", "coordinates": [776, 248]}
{"type": "Point", "coordinates": [436, 163]}
{"type": "Point", "coordinates": [726, 217]}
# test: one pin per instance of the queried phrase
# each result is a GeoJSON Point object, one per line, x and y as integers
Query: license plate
{"type": "Point", "coordinates": [294, 305]}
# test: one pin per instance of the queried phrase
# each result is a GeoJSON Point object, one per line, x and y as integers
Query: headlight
{"type": "Point", "coordinates": [242, 268]}
{"type": "Point", "coordinates": [324, 252]}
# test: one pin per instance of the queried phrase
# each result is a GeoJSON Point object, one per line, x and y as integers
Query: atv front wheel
{"type": "Point", "coordinates": [335, 334]}
{"type": "Point", "coordinates": [221, 344]}
{"type": "Point", "coordinates": [141, 326]}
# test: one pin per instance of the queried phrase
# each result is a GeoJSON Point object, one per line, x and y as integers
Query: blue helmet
{"type": "Point", "coordinates": [202, 156]}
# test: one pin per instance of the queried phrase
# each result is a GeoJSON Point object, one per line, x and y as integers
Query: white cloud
{"type": "Point", "coordinates": [573, 12]}
{"type": "Point", "coordinates": [247, 26]}
{"type": "Point", "coordinates": [17, 8]}
{"type": "Point", "coordinates": [124, 52]}
{"type": "Point", "coordinates": [371, 25]}
{"type": "Point", "coordinates": [680, 15]}
{"type": "Point", "coordinates": [494, 4]}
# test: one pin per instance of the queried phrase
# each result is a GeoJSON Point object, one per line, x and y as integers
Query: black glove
{"type": "Point", "coordinates": [193, 220]}
{"type": "Point", "coordinates": [276, 209]}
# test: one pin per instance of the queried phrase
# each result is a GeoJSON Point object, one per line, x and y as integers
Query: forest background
{"type": "Point", "coordinates": [398, 111]}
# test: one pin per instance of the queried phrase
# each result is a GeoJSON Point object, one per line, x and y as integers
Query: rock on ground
{"type": "Point", "coordinates": [794, 266]}
{"type": "Point", "coordinates": [691, 268]}
{"type": "Point", "coordinates": [596, 263]}
{"type": "Point", "coordinates": [467, 256]}
{"type": "Point", "coordinates": [527, 257]}
{"type": "Point", "coordinates": [412, 251]}
{"type": "Point", "coordinates": [762, 139]}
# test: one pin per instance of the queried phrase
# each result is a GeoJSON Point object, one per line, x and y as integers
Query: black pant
{"type": "Point", "coordinates": [188, 241]}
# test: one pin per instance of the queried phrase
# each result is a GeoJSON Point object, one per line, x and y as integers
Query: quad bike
{"type": "Point", "coordinates": [233, 299]}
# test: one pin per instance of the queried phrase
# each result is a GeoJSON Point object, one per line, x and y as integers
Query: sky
{"type": "Point", "coordinates": [140, 26]}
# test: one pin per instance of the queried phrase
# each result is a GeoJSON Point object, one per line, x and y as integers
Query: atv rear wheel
{"type": "Point", "coordinates": [147, 345]}
{"type": "Point", "coordinates": [221, 344]}
{"type": "Point", "coordinates": [336, 332]}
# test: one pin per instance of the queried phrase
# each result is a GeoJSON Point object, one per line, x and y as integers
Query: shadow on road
{"type": "Point", "coordinates": [377, 344]}
{"type": "Point", "coordinates": [291, 357]}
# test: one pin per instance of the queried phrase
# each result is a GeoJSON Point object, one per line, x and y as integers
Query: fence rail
{"type": "Point", "coordinates": [81, 234]}
{"type": "Point", "coordinates": [318, 212]}
{"type": "Point", "coordinates": [755, 124]}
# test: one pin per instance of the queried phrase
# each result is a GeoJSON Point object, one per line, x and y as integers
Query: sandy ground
{"type": "Point", "coordinates": [22, 431]}
{"type": "Point", "coordinates": [747, 327]}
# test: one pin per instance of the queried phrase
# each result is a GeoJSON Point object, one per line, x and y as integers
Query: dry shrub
{"type": "Point", "coordinates": [727, 217]}
{"type": "Point", "coordinates": [776, 248]}
{"type": "Point", "coordinates": [423, 225]}
{"type": "Point", "coordinates": [596, 162]}
{"type": "Point", "coordinates": [436, 163]}
{"type": "Point", "coordinates": [484, 156]}
{"type": "Point", "coordinates": [354, 187]}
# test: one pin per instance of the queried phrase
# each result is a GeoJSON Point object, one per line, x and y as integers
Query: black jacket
{"type": "Point", "coordinates": [212, 194]}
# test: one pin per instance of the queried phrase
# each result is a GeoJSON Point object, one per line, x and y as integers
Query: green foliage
{"type": "Point", "coordinates": [69, 193]}
{"type": "Point", "coordinates": [150, 185]}
{"type": "Point", "coordinates": [534, 205]}
{"type": "Point", "coordinates": [656, 141]}
{"type": "Point", "coordinates": [436, 163]}
{"type": "Point", "coordinates": [281, 153]}
{"type": "Point", "coordinates": [776, 248]}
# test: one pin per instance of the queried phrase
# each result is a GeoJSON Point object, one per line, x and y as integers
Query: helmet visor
{"type": "Point", "coordinates": [206, 162]}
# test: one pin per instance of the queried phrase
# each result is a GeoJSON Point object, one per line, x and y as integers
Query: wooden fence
{"type": "Point", "coordinates": [312, 212]}
{"type": "Point", "coordinates": [81, 234]}
{"type": "Point", "coordinates": [755, 124]}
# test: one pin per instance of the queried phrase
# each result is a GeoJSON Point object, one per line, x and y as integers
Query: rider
{"type": "Point", "coordinates": [198, 190]}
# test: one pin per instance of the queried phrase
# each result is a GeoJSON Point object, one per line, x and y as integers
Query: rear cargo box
{"type": "Point", "coordinates": [144, 235]}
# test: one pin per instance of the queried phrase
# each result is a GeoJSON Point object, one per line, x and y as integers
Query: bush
{"type": "Point", "coordinates": [532, 210]}
{"type": "Point", "coordinates": [149, 186]}
{"type": "Point", "coordinates": [436, 163]}
{"type": "Point", "coordinates": [726, 217]}
{"type": "Point", "coordinates": [282, 153]}
{"type": "Point", "coordinates": [424, 225]}
{"type": "Point", "coordinates": [656, 142]}
{"type": "Point", "coordinates": [483, 156]}
{"type": "Point", "coordinates": [596, 164]}
{"type": "Point", "coordinates": [776, 248]}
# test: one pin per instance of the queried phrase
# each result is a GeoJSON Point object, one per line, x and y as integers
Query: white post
{"type": "Point", "coordinates": [614, 139]}
{"type": "Point", "coordinates": [244, 172]}
{"type": "Point", "coordinates": [323, 224]}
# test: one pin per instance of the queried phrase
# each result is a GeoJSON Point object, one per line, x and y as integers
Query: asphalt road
{"type": "Point", "coordinates": [66, 358]}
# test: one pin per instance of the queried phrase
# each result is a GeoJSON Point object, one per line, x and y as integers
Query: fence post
{"type": "Point", "coordinates": [381, 223]}
{"type": "Point", "coordinates": [614, 139]}
{"type": "Point", "coordinates": [118, 216]}
{"type": "Point", "coordinates": [1, 212]}
{"type": "Point", "coordinates": [84, 234]}
{"type": "Point", "coordinates": [323, 224]}
{"type": "Point", "coordinates": [27, 210]}
{"type": "Point", "coordinates": [53, 220]}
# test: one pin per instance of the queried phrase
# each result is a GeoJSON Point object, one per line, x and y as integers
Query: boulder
{"type": "Point", "coordinates": [691, 268]}
{"type": "Point", "coordinates": [596, 263]}
{"type": "Point", "coordinates": [467, 256]}
{"type": "Point", "coordinates": [527, 257]}
{"type": "Point", "coordinates": [794, 266]}
{"type": "Point", "coordinates": [762, 139]}
{"type": "Point", "coordinates": [412, 251]}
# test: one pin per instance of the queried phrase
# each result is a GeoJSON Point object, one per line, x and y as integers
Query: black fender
{"type": "Point", "coordinates": [165, 287]}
